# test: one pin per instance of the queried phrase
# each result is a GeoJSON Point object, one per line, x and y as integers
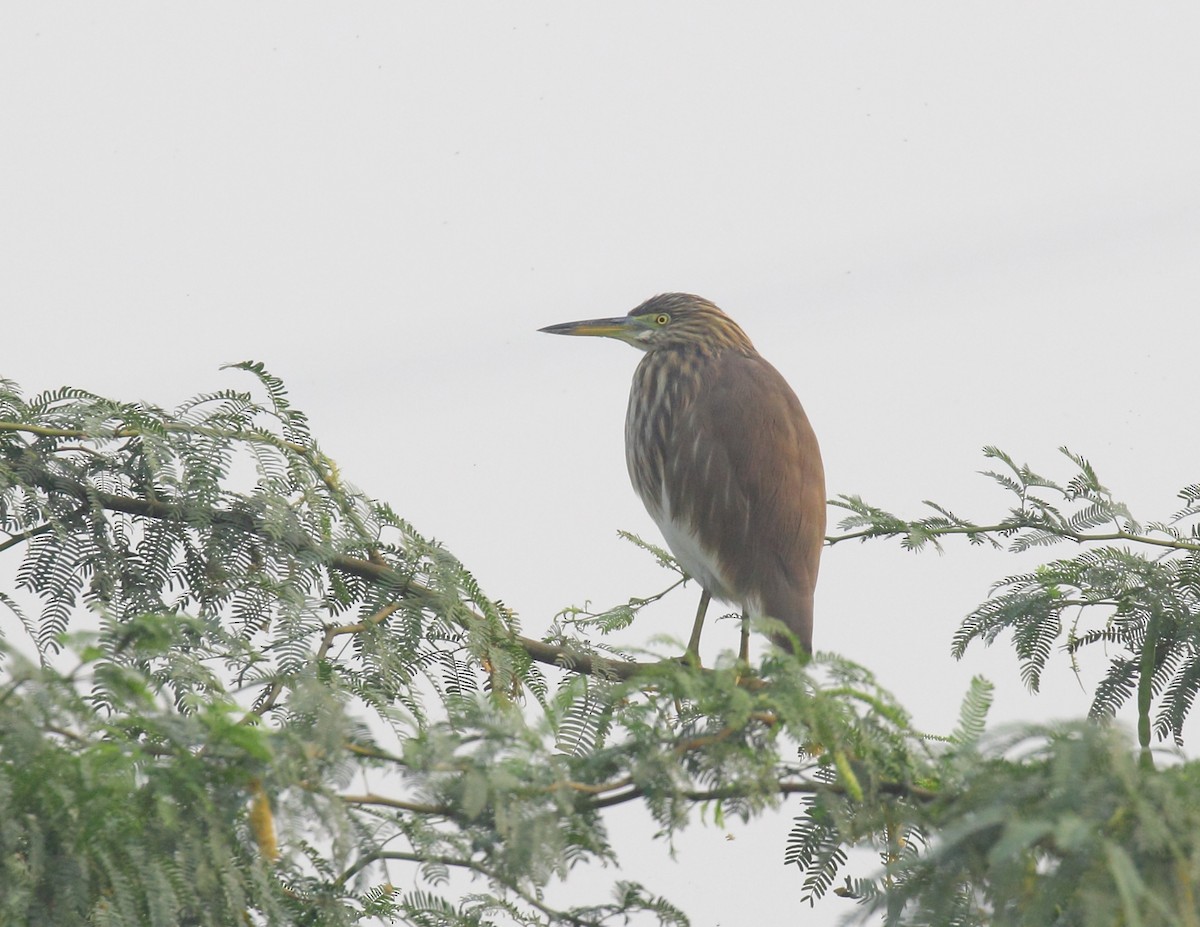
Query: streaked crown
{"type": "Point", "coordinates": [677, 319]}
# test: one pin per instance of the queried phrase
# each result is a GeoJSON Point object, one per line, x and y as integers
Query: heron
{"type": "Point", "coordinates": [723, 457]}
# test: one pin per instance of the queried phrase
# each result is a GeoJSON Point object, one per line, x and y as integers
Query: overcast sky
{"type": "Point", "coordinates": [947, 224]}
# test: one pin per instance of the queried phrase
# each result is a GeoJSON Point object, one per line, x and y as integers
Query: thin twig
{"type": "Point", "coordinates": [531, 900]}
{"type": "Point", "coordinates": [333, 632]}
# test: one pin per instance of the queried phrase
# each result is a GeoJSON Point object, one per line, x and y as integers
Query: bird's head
{"type": "Point", "coordinates": [665, 321]}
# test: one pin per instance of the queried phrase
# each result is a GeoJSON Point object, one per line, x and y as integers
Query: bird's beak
{"type": "Point", "coordinates": [605, 328]}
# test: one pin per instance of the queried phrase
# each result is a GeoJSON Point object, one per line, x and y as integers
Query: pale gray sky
{"type": "Point", "coordinates": [947, 224]}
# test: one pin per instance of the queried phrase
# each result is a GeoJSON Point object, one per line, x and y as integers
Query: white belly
{"type": "Point", "coordinates": [700, 564]}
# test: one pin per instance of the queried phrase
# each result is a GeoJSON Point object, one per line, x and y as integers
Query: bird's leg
{"type": "Point", "coordinates": [744, 651]}
{"type": "Point", "coordinates": [693, 646]}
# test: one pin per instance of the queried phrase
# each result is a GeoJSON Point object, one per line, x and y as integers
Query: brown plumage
{"type": "Point", "coordinates": [723, 457]}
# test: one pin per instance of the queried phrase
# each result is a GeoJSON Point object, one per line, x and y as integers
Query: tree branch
{"type": "Point", "coordinates": [371, 798]}
{"type": "Point", "coordinates": [372, 570]}
{"type": "Point", "coordinates": [16, 539]}
{"type": "Point", "coordinates": [784, 787]}
{"type": "Point", "coordinates": [1066, 534]}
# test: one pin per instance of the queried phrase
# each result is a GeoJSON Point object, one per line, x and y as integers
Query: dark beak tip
{"type": "Point", "coordinates": [562, 328]}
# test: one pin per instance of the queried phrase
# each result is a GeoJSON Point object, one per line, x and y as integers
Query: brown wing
{"type": "Point", "coordinates": [754, 488]}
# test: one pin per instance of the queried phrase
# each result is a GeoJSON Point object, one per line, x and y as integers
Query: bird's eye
{"type": "Point", "coordinates": [662, 319]}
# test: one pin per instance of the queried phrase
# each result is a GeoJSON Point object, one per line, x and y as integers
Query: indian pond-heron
{"type": "Point", "coordinates": [721, 453]}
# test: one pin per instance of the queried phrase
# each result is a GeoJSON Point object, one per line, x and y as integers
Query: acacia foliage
{"type": "Point", "coordinates": [249, 693]}
{"type": "Point", "coordinates": [1132, 591]}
